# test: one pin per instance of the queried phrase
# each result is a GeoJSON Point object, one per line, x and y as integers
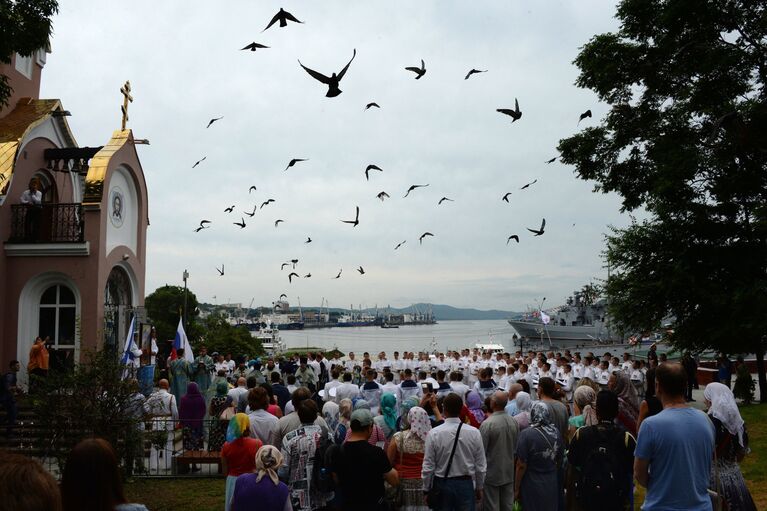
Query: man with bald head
{"type": "Point", "coordinates": [499, 437]}
{"type": "Point", "coordinates": [511, 407]}
{"type": "Point", "coordinates": [161, 407]}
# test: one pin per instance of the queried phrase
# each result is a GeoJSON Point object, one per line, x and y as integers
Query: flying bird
{"type": "Point", "coordinates": [372, 104]}
{"type": "Point", "coordinates": [356, 220]}
{"type": "Point", "coordinates": [585, 114]}
{"type": "Point", "coordinates": [443, 199]}
{"type": "Point", "coordinates": [267, 202]}
{"type": "Point", "coordinates": [294, 161]}
{"type": "Point", "coordinates": [369, 168]}
{"type": "Point", "coordinates": [308, 240]}
{"type": "Point", "coordinates": [253, 46]}
{"type": "Point", "coordinates": [473, 72]}
{"type": "Point", "coordinates": [221, 271]}
{"type": "Point", "coordinates": [419, 71]}
{"type": "Point", "coordinates": [277, 222]}
{"type": "Point", "coordinates": [283, 295]}
{"type": "Point", "coordinates": [382, 196]}
{"type": "Point", "coordinates": [241, 223]}
{"type": "Point", "coordinates": [529, 184]}
{"type": "Point", "coordinates": [339, 274]}
{"type": "Point", "coordinates": [514, 114]}
{"type": "Point", "coordinates": [420, 240]}
{"type": "Point", "coordinates": [552, 160]}
{"type": "Point", "coordinates": [213, 120]}
{"type": "Point", "coordinates": [283, 17]}
{"type": "Point", "coordinates": [199, 161]}
{"type": "Point", "coordinates": [539, 231]}
{"type": "Point", "coordinates": [295, 262]}
{"type": "Point", "coordinates": [400, 244]}
{"type": "Point", "coordinates": [361, 270]}
{"type": "Point", "coordinates": [413, 187]}
{"type": "Point", "coordinates": [252, 189]}
{"type": "Point", "coordinates": [203, 222]}
{"type": "Point", "coordinates": [199, 229]}
{"type": "Point", "coordinates": [506, 197]}
{"type": "Point", "coordinates": [283, 265]}
{"type": "Point", "coordinates": [308, 275]}
{"type": "Point", "coordinates": [255, 207]}
{"type": "Point", "coordinates": [229, 209]}
{"type": "Point", "coordinates": [512, 237]}
{"type": "Point", "coordinates": [291, 275]}
{"type": "Point", "coordinates": [331, 81]}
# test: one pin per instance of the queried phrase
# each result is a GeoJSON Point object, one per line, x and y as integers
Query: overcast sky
{"type": "Point", "coordinates": [183, 62]}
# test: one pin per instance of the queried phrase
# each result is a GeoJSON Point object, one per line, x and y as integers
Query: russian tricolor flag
{"type": "Point", "coordinates": [181, 341]}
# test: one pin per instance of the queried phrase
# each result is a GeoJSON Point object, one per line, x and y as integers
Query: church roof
{"type": "Point", "coordinates": [97, 172]}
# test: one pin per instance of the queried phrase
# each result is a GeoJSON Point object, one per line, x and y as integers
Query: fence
{"type": "Point", "coordinates": [51, 223]}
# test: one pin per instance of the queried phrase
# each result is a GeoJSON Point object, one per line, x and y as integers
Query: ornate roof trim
{"type": "Point", "coordinates": [97, 172]}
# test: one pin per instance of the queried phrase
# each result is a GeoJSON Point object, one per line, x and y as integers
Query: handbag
{"type": "Point", "coordinates": [394, 494]}
{"type": "Point", "coordinates": [434, 495]}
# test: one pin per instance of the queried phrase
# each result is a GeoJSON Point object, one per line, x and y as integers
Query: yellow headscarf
{"type": "Point", "coordinates": [237, 425]}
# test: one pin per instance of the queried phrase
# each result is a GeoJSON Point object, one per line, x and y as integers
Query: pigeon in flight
{"type": "Point", "coordinates": [372, 104]}
{"type": "Point", "coordinates": [413, 187]}
{"type": "Point", "coordinates": [283, 17]}
{"type": "Point", "coordinates": [473, 72]}
{"type": "Point", "coordinates": [331, 81]}
{"type": "Point", "coordinates": [539, 231]}
{"type": "Point", "coordinates": [369, 168]}
{"type": "Point", "coordinates": [203, 222]}
{"type": "Point", "coordinates": [400, 244]}
{"type": "Point", "coordinates": [514, 114]}
{"type": "Point", "coordinates": [283, 295]}
{"type": "Point", "coordinates": [382, 196]}
{"type": "Point", "coordinates": [267, 202]}
{"type": "Point", "coordinates": [419, 71]}
{"type": "Point", "coordinates": [506, 197]}
{"type": "Point", "coordinates": [221, 271]}
{"type": "Point", "coordinates": [283, 265]}
{"type": "Point", "coordinates": [199, 161]}
{"type": "Point", "coordinates": [252, 189]}
{"type": "Point", "coordinates": [512, 237]}
{"type": "Point", "coordinates": [529, 184]}
{"type": "Point", "coordinates": [254, 211]}
{"type": "Point", "coordinates": [308, 276]}
{"type": "Point", "coordinates": [443, 199]}
{"type": "Point", "coordinates": [241, 223]}
{"type": "Point", "coordinates": [294, 262]}
{"type": "Point", "coordinates": [291, 275]}
{"type": "Point", "coordinates": [253, 46]}
{"type": "Point", "coordinates": [420, 240]}
{"type": "Point", "coordinates": [294, 161]}
{"type": "Point", "coordinates": [356, 220]}
{"type": "Point", "coordinates": [361, 270]}
{"type": "Point", "coordinates": [229, 209]}
{"type": "Point", "coordinates": [277, 222]}
{"type": "Point", "coordinates": [585, 114]}
{"type": "Point", "coordinates": [339, 274]}
{"type": "Point", "coordinates": [200, 228]}
{"type": "Point", "coordinates": [552, 160]}
{"type": "Point", "coordinates": [308, 240]}
{"type": "Point", "coordinates": [213, 120]}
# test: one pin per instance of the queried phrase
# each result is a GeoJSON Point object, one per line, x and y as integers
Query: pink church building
{"type": "Point", "coordinates": [73, 268]}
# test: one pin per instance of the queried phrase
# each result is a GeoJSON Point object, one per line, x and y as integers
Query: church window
{"type": "Point", "coordinates": [57, 318]}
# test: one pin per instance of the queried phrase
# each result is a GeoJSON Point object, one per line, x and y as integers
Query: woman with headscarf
{"type": "Point", "coordinates": [331, 412]}
{"type": "Point", "coordinates": [731, 447]}
{"type": "Point", "coordinates": [345, 408]}
{"type": "Point", "coordinates": [585, 402]}
{"type": "Point", "coordinates": [191, 413]}
{"type": "Point", "coordinates": [524, 404]}
{"type": "Point", "coordinates": [387, 420]}
{"type": "Point", "coordinates": [218, 403]}
{"type": "Point", "coordinates": [238, 456]}
{"type": "Point", "coordinates": [377, 436]}
{"type": "Point", "coordinates": [474, 404]}
{"type": "Point", "coordinates": [540, 450]}
{"type": "Point", "coordinates": [405, 454]}
{"type": "Point", "coordinates": [628, 401]}
{"type": "Point", "coordinates": [262, 486]}
{"type": "Point", "coordinates": [407, 404]}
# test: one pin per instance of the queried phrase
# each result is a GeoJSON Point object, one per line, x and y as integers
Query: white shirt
{"type": "Point", "coordinates": [331, 385]}
{"type": "Point", "coordinates": [221, 366]}
{"type": "Point", "coordinates": [391, 388]}
{"type": "Point", "coordinates": [349, 364]}
{"type": "Point", "coordinates": [469, 458]}
{"type": "Point", "coordinates": [161, 404]}
{"type": "Point", "coordinates": [315, 367]}
{"type": "Point", "coordinates": [590, 372]}
{"type": "Point", "coordinates": [637, 375]}
{"type": "Point", "coordinates": [627, 366]}
{"type": "Point", "coordinates": [236, 392]}
{"type": "Point", "coordinates": [262, 424]}
{"type": "Point", "coordinates": [347, 391]}
{"type": "Point", "coordinates": [460, 388]}
{"type": "Point", "coordinates": [578, 370]}
{"type": "Point", "coordinates": [230, 365]}
{"type": "Point", "coordinates": [33, 198]}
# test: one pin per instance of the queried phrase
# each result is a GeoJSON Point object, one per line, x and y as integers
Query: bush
{"type": "Point", "coordinates": [744, 385]}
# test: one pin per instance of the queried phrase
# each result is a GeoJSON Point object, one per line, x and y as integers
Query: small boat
{"type": "Point", "coordinates": [387, 325]}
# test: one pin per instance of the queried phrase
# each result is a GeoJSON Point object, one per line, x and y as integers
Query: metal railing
{"type": "Point", "coordinates": [49, 223]}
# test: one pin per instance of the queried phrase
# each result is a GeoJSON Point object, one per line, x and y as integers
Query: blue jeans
{"type": "Point", "coordinates": [458, 494]}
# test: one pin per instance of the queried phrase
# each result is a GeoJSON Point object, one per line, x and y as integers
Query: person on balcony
{"type": "Point", "coordinates": [33, 199]}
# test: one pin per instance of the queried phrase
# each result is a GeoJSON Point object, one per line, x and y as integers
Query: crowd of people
{"type": "Point", "coordinates": [458, 430]}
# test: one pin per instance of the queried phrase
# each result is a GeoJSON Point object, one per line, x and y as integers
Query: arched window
{"type": "Point", "coordinates": [47, 187]}
{"type": "Point", "coordinates": [57, 318]}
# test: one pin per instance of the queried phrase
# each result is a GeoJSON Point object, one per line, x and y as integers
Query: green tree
{"type": "Point", "coordinates": [25, 26]}
{"type": "Point", "coordinates": [223, 337]}
{"type": "Point", "coordinates": [164, 308]}
{"type": "Point", "coordinates": [684, 140]}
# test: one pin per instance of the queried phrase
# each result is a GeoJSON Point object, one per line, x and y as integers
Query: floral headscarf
{"type": "Point", "coordinates": [407, 405]}
{"type": "Point", "coordinates": [360, 404]}
{"type": "Point", "coordinates": [345, 411]}
{"type": "Point", "coordinates": [586, 399]}
{"type": "Point", "coordinates": [268, 461]}
{"type": "Point", "coordinates": [389, 410]}
{"type": "Point", "coordinates": [237, 425]}
{"type": "Point", "coordinates": [474, 403]}
{"type": "Point", "coordinates": [420, 425]}
{"type": "Point", "coordinates": [540, 417]}
{"type": "Point", "coordinates": [331, 413]}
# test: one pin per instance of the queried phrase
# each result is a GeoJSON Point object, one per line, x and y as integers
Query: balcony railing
{"type": "Point", "coordinates": [51, 223]}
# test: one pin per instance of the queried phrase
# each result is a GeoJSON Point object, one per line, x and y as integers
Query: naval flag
{"type": "Point", "coordinates": [182, 341]}
{"type": "Point", "coordinates": [131, 354]}
{"type": "Point", "coordinates": [545, 318]}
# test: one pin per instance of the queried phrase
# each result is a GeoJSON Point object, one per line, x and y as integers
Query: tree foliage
{"type": "Point", "coordinates": [222, 337]}
{"type": "Point", "coordinates": [25, 26]}
{"type": "Point", "coordinates": [164, 308]}
{"type": "Point", "coordinates": [685, 143]}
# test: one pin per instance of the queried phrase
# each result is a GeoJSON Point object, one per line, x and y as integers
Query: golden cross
{"type": "Point", "coordinates": [125, 91]}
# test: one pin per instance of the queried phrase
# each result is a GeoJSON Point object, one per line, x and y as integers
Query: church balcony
{"type": "Point", "coordinates": [50, 230]}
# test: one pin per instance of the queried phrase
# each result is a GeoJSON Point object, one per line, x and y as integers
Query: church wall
{"type": "Point", "coordinates": [23, 87]}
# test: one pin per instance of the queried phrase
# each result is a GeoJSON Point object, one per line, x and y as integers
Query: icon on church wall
{"type": "Point", "coordinates": [117, 202]}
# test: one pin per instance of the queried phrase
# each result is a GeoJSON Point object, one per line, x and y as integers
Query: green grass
{"type": "Point", "coordinates": [754, 466]}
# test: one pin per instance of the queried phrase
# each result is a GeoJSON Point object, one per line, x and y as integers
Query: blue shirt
{"type": "Point", "coordinates": [679, 444]}
{"type": "Point", "coordinates": [511, 408]}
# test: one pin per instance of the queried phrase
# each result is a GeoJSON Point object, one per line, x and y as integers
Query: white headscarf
{"type": "Point", "coordinates": [420, 425]}
{"type": "Point", "coordinates": [723, 407]}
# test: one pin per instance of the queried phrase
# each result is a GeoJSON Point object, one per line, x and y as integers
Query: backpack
{"type": "Point", "coordinates": [322, 478]}
{"type": "Point", "coordinates": [601, 484]}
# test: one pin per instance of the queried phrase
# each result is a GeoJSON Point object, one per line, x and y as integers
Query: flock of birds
{"type": "Point", "coordinates": [333, 82]}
